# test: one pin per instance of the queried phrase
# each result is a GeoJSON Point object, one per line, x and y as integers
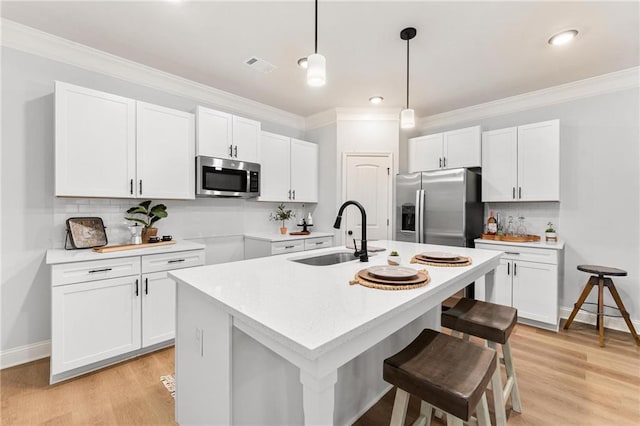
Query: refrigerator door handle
{"type": "Point", "coordinates": [417, 216]}
{"type": "Point", "coordinates": [421, 197]}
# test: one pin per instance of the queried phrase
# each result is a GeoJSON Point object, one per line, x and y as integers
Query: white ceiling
{"type": "Point", "coordinates": [465, 53]}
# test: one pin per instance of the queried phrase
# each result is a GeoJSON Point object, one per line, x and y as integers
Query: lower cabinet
{"type": "Point", "coordinates": [527, 279]}
{"type": "Point", "coordinates": [97, 320]}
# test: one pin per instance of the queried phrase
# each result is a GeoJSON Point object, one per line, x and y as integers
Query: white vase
{"type": "Point", "coordinates": [551, 237]}
{"type": "Point", "coordinates": [394, 260]}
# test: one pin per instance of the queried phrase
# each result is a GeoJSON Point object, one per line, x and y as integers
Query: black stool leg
{"type": "Point", "coordinates": [600, 311]}
{"type": "Point", "coordinates": [587, 289]}
{"type": "Point", "coordinates": [614, 292]}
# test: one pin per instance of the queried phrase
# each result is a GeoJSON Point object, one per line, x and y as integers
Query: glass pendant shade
{"type": "Point", "coordinates": [407, 119]}
{"type": "Point", "coordinates": [316, 70]}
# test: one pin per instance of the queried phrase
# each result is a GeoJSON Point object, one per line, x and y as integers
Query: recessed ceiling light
{"type": "Point", "coordinates": [563, 37]}
{"type": "Point", "coordinates": [302, 63]}
{"type": "Point", "coordinates": [376, 99]}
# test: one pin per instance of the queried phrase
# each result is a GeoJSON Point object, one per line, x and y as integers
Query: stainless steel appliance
{"type": "Point", "coordinates": [217, 177]}
{"type": "Point", "coordinates": [439, 207]}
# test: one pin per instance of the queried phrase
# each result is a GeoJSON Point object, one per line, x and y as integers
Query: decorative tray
{"type": "Point", "coordinates": [512, 238]}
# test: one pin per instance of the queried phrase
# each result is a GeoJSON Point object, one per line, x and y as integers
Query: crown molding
{"type": "Point", "coordinates": [36, 42]}
{"type": "Point", "coordinates": [334, 115]}
{"type": "Point", "coordinates": [602, 84]}
{"type": "Point", "coordinates": [321, 119]}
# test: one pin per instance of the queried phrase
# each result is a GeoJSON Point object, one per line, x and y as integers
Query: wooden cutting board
{"type": "Point", "coordinates": [109, 249]}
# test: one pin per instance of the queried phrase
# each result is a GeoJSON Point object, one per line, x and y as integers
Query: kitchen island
{"type": "Point", "coordinates": [272, 341]}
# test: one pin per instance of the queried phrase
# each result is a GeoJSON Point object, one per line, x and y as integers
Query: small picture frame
{"type": "Point", "coordinates": [85, 232]}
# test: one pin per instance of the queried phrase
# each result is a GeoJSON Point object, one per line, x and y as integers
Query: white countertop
{"type": "Point", "coordinates": [273, 237]}
{"type": "Point", "coordinates": [312, 309]}
{"type": "Point", "coordinates": [55, 256]}
{"type": "Point", "coordinates": [538, 244]}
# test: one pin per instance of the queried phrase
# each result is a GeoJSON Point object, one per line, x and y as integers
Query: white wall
{"type": "Point", "coordinates": [33, 219]}
{"type": "Point", "coordinates": [599, 188]}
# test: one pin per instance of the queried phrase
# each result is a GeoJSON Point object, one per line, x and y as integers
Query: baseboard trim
{"type": "Point", "coordinates": [589, 318]}
{"type": "Point", "coordinates": [24, 354]}
{"type": "Point", "coordinates": [369, 405]}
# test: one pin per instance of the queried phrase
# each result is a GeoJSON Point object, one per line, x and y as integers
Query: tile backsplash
{"type": "Point", "coordinates": [536, 214]}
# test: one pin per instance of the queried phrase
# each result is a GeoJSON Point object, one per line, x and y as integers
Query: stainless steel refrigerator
{"type": "Point", "coordinates": [439, 207]}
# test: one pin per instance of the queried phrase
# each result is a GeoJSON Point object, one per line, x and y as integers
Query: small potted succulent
{"type": "Point", "coordinates": [394, 258]}
{"type": "Point", "coordinates": [550, 234]}
{"type": "Point", "coordinates": [282, 214]}
{"type": "Point", "coordinates": [147, 216]}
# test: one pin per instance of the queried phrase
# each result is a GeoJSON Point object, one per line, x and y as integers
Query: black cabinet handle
{"type": "Point", "coordinates": [235, 151]}
{"type": "Point", "coordinates": [136, 287]}
{"type": "Point", "coordinates": [288, 247]}
{"type": "Point", "coordinates": [294, 194]}
{"type": "Point", "coordinates": [444, 161]}
{"type": "Point", "coordinates": [513, 192]}
{"type": "Point", "coordinates": [93, 271]}
{"type": "Point", "coordinates": [140, 187]}
{"type": "Point", "coordinates": [230, 150]}
{"type": "Point", "coordinates": [515, 265]}
{"type": "Point", "coordinates": [318, 244]}
{"type": "Point", "coordinates": [519, 192]}
{"type": "Point", "coordinates": [440, 162]}
{"type": "Point", "coordinates": [131, 187]}
{"type": "Point", "coordinates": [146, 286]}
{"type": "Point", "coordinates": [175, 261]}
{"type": "Point", "coordinates": [515, 253]}
{"type": "Point", "coordinates": [508, 268]}
{"type": "Point", "coordinates": [289, 194]}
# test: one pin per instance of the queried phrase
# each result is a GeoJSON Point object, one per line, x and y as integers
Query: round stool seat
{"type": "Point", "coordinates": [486, 320]}
{"type": "Point", "coordinates": [602, 270]}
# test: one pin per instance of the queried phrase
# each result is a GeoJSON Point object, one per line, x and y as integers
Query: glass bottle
{"type": "Point", "coordinates": [511, 229]}
{"type": "Point", "coordinates": [521, 231]}
{"type": "Point", "coordinates": [492, 225]}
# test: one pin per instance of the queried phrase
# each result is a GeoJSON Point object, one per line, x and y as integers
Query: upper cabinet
{"type": "Point", "coordinates": [289, 169]}
{"type": "Point", "coordinates": [110, 146]}
{"type": "Point", "coordinates": [522, 163]}
{"type": "Point", "coordinates": [447, 150]}
{"type": "Point", "coordinates": [224, 135]}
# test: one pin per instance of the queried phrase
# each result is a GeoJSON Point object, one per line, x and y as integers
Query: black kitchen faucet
{"type": "Point", "coordinates": [362, 253]}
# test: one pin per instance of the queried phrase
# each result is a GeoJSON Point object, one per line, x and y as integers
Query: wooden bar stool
{"type": "Point", "coordinates": [494, 323]}
{"type": "Point", "coordinates": [602, 282]}
{"type": "Point", "coordinates": [444, 372]}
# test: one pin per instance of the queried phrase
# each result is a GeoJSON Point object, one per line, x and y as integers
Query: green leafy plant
{"type": "Point", "coordinates": [282, 214]}
{"type": "Point", "coordinates": [550, 227]}
{"type": "Point", "coordinates": [149, 216]}
{"type": "Point", "coordinates": [394, 253]}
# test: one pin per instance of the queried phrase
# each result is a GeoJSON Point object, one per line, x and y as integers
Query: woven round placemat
{"type": "Point", "coordinates": [414, 259]}
{"type": "Point", "coordinates": [357, 279]}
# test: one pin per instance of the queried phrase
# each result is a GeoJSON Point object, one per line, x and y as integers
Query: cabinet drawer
{"type": "Point", "coordinates": [170, 261]}
{"type": "Point", "coordinates": [287, 247]}
{"type": "Point", "coordinates": [316, 243]}
{"type": "Point", "coordinates": [69, 273]}
{"type": "Point", "coordinates": [525, 254]}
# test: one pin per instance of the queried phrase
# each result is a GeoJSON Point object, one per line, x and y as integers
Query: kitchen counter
{"type": "Point", "coordinates": [274, 238]}
{"type": "Point", "coordinates": [559, 245]}
{"type": "Point", "coordinates": [308, 315]}
{"type": "Point", "coordinates": [57, 256]}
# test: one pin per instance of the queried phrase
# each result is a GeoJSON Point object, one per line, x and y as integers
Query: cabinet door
{"type": "Point", "coordinates": [539, 161]}
{"type": "Point", "coordinates": [462, 148]}
{"type": "Point", "coordinates": [246, 139]}
{"type": "Point", "coordinates": [94, 321]}
{"type": "Point", "coordinates": [425, 153]}
{"type": "Point", "coordinates": [213, 135]}
{"type": "Point", "coordinates": [304, 171]}
{"type": "Point", "coordinates": [275, 163]}
{"type": "Point", "coordinates": [94, 143]}
{"type": "Point", "coordinates": [158, 308]}
{"type": "Point", "coordinates": [503, 290]}
{"type": "Point", "coordinates": [499, 164]}
{"type": "Point", "coordinates": [166, 152]}
{"type": "Point", "coordinates": [535, 291]}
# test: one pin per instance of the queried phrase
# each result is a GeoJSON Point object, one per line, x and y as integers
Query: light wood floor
{"type": "Point", "coordinates": [565, 379]}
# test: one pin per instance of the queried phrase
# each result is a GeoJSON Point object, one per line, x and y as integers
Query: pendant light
{"type": "Point", "coordinates": [316, 64]}
{"type": "Point", "coordinates": [407, 116]}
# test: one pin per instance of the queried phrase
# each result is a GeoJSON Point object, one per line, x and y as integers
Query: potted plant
{"type": "Point", "coordinates": [282, 215]}
{"type": "Point", "coordinates": [147, 216]}
{"type": "Point", "coordinates": [394, 258]}
{"type": "Point", "coordinates": [550, 233]}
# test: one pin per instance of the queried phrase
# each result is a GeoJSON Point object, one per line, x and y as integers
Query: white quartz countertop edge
{"type": "Point", "coordinates": [437, 289]}
{"type": "Point", "coordinates": [538, 244]}
{"type": "Point", "coordinates": [274, 238]}
{"type": "Point", "coordinates": [56, 256]}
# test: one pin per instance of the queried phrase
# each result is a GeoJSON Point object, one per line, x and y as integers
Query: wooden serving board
{"type": "Point", "coordinates": [512, 238]}
{"type": "Point", "coordinates": [300, 233]}
{"type": "Point", "coordinates": [109, 249]}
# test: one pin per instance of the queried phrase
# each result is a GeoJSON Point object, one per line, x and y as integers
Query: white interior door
{"type": "Point", "coordinates": [367, 179]}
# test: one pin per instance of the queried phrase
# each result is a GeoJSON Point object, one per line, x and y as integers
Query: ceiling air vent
{"type": "Point", "coordinates": [259, 65]}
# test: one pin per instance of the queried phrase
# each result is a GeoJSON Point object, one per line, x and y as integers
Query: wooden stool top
{"type": "Point", "coordinates": [444, 371]}
{"type": "Point", "coordinates": [486, 320]}
{"type": "Point", "coordinates": [602, 270]}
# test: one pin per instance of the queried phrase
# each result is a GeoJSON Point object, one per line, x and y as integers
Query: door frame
{"type": "Point", "coordinates": [343, 194]}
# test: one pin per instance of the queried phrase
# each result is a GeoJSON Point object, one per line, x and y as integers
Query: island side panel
{"type": "Point", "coordinates": [203, 359]}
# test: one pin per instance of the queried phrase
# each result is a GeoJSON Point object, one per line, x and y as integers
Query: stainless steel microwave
{"type": "Point", "coordinates": [217, 177]}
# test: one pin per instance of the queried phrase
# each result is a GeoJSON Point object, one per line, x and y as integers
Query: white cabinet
{"type": "Point", "coordinates": [266, 245]}
{"type": "Point", "coordinates": [522, 163]}
{"type": "Point", "coordinates": [289, 169]}
{"type": "Point", "coordinates": [110, 146]}
{"type": "Point", "coordinates": [103, 309]}
{"type": "Point", "coordinates": [224, 135]}
{"type": "Point", "coordinates": [95, 151]}
{"type": "Point", "coordinates": [527, 279]}
{"type": "Point", "coordinates": [165, 152]}
{"type": "Point", "coordinates": [448, 150]}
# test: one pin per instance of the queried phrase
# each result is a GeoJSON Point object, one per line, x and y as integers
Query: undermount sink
{"type": "Point", "coordinates": [327, 259]}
